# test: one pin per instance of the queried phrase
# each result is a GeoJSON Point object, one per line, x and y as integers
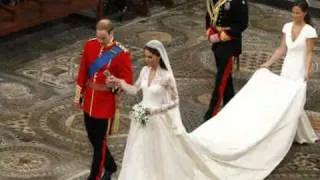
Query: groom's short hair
{"type": "Point", "coordinates": [105, 24]}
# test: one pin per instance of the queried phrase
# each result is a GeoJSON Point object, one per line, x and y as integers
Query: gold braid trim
{"type": "Point", "coordinates": [114, 129]}
{"type": "Point", "coordinates": [122, 47]}
{"type": "Point", "coordinates": [214, 10]}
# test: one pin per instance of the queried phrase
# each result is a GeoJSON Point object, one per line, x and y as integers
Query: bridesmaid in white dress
{"type": "Point", "coordinates": [297, 44]}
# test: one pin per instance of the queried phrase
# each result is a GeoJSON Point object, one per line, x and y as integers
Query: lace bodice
{"type": "Point", "coordinates": [160, 95]}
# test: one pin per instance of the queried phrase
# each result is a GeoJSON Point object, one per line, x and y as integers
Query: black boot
{"type": "Point", "coordinates": [110, 164]}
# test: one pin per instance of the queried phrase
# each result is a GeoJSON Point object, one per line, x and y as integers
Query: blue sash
{"type": "Point", "coordinates": [103, 60]}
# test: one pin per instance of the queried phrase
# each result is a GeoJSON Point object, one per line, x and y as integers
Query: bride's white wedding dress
{"type": "Point", "coordinates": [154, 152]}
{"type": "Point", "coordinates": [245, 141]}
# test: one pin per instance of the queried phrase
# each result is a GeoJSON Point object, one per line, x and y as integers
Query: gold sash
{"type": "Point", "coordinates": [114, 126]}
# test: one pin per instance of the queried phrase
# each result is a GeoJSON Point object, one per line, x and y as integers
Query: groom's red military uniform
{"type": "Point", "coordinates": [99, 100]}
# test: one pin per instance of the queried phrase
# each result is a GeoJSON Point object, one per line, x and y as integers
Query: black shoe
{"type": "Point", "coordinates": [106, 176]}
{"type": "Point", "coordinates": [110, 165]}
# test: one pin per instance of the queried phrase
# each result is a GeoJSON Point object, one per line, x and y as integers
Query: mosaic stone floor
{"type": "Point", "coordinates": [42, 136]}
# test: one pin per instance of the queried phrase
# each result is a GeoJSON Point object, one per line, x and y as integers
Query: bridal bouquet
{"type": "Point", "coordinates": [139, 114]}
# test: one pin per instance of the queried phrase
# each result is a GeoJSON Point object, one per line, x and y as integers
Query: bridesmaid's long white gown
{"type": "Point", "coordinates": [255, 130]}
{"type": "Point", "coordinates": [294, 68]}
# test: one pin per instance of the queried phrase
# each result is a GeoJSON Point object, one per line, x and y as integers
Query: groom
{"type": "Point", "coordinates": [225, 22]}
{"type": "Point", "coordinates": [102, 56]}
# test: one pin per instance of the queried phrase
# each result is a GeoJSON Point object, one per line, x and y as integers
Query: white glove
{"type": "Point", "coordinates": [214, 38]}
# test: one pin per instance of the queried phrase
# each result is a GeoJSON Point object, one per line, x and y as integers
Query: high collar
{"type": "Point", "coordinates": [110, 44]}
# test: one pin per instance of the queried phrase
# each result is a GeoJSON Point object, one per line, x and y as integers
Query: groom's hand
{"type": "Point", "coordinates": [111, 81]}
{"type": "Point", "coordinates": [77, 105]}
{"type": "Point", "coordinates": [115, 80]}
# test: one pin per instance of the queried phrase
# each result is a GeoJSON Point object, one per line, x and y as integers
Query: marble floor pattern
{"type": "Point", "coordinates": [42, 137]}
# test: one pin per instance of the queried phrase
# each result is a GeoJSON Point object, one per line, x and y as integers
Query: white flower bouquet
{"type": "Point", "coordinates": [139, 114]}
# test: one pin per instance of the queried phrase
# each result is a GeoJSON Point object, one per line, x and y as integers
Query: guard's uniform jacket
{"type": "Point", "coordinates": [232, 14]}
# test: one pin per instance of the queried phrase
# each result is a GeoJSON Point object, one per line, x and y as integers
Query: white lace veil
{"type": "Point", "coordinates": [175, 112]}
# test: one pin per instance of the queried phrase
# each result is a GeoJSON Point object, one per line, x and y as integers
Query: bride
{"type": "Point", "coordinates": [260, 121]}
{"type": "Point", "coordinates": [157, 151]}
{"type": "Point", "coordinates": [228, 147]}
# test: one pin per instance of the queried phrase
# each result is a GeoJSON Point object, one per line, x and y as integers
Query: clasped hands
{"type": "Point", "coordinates": [113, 81]}
{"type": "Point", "coordinates": [118, 83]}
{"type": "Point", "coordinates": [218, 34]}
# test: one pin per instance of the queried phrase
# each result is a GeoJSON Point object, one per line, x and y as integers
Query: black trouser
{"type": "Point", "coordinates": [103, 164]}
{"type": "Point", "coordinates": [223, 89]}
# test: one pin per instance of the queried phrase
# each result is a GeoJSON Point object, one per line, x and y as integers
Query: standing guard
{"type": "Point", "coordinates": [225, 22]}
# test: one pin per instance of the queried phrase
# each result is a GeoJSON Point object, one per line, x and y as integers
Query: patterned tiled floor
{"type": "Point", "coordinates": [42, 136]}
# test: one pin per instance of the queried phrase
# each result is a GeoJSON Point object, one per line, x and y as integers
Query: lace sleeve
{"type": "Point", "coordinates": [133, 89]}
{"type": "Point", "coordinates": [172, 100]}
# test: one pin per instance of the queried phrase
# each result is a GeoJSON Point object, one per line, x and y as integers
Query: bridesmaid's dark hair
{"type": "Point", "coordinates": [303, 5]}
{"type": "Point", "coordinates": [156, 53]}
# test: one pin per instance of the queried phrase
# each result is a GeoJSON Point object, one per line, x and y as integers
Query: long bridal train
{"type": "Point", "coordinates": [254, 131]}
{"type": "Point", "coordinates": [244, 141]}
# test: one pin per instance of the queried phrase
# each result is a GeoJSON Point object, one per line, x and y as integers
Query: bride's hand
{"type": "Point", "coordinates": [147, 111]}
{"type": "Point", "coordinates": [115, 80]}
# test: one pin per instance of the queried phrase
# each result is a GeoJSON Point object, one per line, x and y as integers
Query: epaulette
{"type": "Point", "coordinates": [122, 47]}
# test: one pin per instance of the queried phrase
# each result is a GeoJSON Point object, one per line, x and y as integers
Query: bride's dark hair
{"type": "Point", "coordinates": [303, 5]}
{"type": "Point", "coordinates": [157, 53]}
